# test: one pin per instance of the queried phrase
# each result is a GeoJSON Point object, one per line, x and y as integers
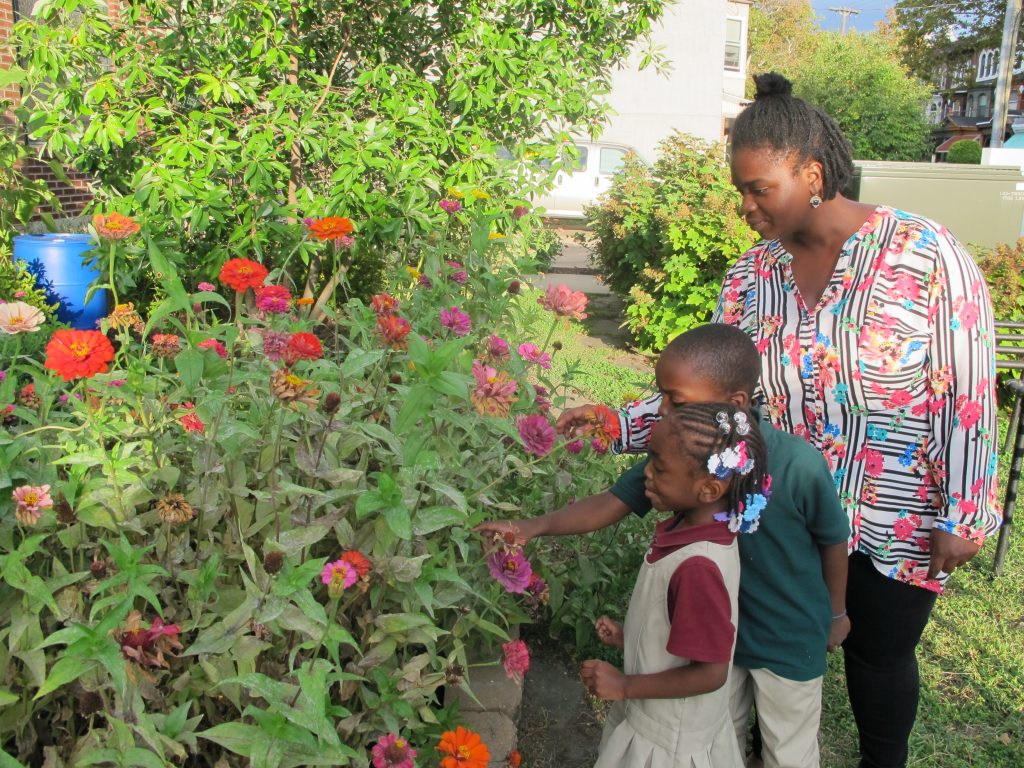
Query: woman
{"type": "Point", "coordinates": [876, 335]}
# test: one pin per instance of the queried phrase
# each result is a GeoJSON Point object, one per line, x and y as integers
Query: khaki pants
{"type": "Point", "coordinates": [789, 713]}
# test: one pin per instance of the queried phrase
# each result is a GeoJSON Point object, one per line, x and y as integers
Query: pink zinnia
{"type": "Point", "coordinates": [274, 344]}
{"type": "Point", "coordinates": [540, 398]}
{"type": "Point", "coordinates": [565, 302]}
{"type": "Point", "coordinates": [207, 287]}
{"type": "Point", "coordinates": [216, 346]}
{"type": "Point", "coordinates": [497, 348]}
{"type": "Point", "coordinates": [494, 393]}
{"type": "Point", "coordinates": [531, 353]}
{"type": "Point", "coordinates": [519, 211]}
{"type": "Point", "coordinates": [392, 751]}
{"type": "Point", "coordinates": [510, 569]}
{"type": "Point", "coordinates": [456, 321]}
{"type": "Point", "coordinates": [339, 576]}
{"type": "Point", "coordinates": [537, 434]}
{"type": "Point", "coordinates": [458, 274]}
{"type": "Point", "coordinates": [450, 206]}
{"type": "Point", "coordinates": [575, 446]}
{"type": "Point", "coordinates": [517, 659]}
{"type": "Point", "coordinates": [424, 282]}
{"type": "Point", "coordinates": [273, 299]}
{"type": "Point", "coordinates": [31, 501]}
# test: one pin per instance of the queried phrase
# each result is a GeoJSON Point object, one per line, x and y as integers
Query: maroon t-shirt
{"type": "Point", "coordinates": [698, 602]}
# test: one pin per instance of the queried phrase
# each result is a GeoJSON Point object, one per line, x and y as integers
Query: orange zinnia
{"type": "Point", "coordinates": [115, 226]}
{"type": "Point", "coordinates": [241, 274]}
{"type": "Point", "coordinates": [463, 749]}
{"type": "Point", "coordinates": [331, 228]}
{"type": "Point", "coordinates": [78, 354]}
{"type": "Point", "coordinates": [357, 560]}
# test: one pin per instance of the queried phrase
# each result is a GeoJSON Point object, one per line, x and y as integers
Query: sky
{"type": "Point", "coordinates": [871, 12]}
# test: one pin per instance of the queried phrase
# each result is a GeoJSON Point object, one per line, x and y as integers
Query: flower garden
{"type": "Point", "coordinates": [237, 524]}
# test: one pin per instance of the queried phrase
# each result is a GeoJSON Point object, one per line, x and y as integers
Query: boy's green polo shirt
{"type": "Point", "coordinates": [785, 613]}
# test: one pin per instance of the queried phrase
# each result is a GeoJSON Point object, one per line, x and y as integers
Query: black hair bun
{"type": "Point", "coordinates": [772, 84]}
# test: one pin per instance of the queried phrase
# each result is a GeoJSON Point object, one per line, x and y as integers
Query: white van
{"type": "Point", "coordinates": [598, 162]}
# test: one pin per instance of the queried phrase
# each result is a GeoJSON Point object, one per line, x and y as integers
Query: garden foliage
{"type": "Point", "coordinates": [218, 123]}
{"type": "Point", "coordinates": [229, 534]}
{"type": "Point", "coordinates": [663, 237]}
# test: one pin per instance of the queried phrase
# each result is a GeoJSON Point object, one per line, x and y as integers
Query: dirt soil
{"type": "Point", "coordinates": [558, 726]}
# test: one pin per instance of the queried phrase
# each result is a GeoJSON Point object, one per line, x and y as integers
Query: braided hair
{"type": "Point", "coordinates": [779, 120]}
{"type": "Point", "coordinates": [700, 432]}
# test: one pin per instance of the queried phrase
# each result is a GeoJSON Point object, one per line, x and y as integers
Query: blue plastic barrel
{"type": "Point", "coordinates": [57, 260]}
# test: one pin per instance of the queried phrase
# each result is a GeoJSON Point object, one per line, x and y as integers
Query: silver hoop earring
{"type": "Point", "coordinates": [815, 201]}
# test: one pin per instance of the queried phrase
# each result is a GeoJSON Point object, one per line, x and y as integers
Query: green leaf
{"type": "Point", "coordinates": [434, 518]}
{"type": "Point", "coordinates": [189, 363]}
{"type": "Point", "coordinates": [6, 697]}
{"type": "Point", "coordinates": [65, 670]}
{"type": "Point", "coordinates": [415, 407]}
{"type": "Point", "coordinates": [399, 522]}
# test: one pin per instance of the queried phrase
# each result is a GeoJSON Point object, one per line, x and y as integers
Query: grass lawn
{"type": "Point", "coordinates": [972, 653]}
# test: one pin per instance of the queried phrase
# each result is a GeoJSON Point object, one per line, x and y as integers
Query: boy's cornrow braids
{"type": "Point", "coordinates": [780, 121]}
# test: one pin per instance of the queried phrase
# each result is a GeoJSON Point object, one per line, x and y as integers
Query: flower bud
{"type": "Point", "coordinates": [273, 561]}
{"type": "Point", "coordinates": [98, 569]}
{"type": "Point", "coordinates": [331, 403]}
{"type": "Point", "coordinates": [515, 287]}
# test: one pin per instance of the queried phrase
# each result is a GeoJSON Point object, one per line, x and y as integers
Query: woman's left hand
{"type": "Point", "coordinates": [949, 552]}
{"type": "Point", "coordinates": [603, 680]}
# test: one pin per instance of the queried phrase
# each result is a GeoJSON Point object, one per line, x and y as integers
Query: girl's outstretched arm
{"type": "Point", "coordinates": [584, 516]}
{"type": "Point", "coordinates": [606, 682]}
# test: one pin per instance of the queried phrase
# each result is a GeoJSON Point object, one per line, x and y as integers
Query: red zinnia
{"type": "Point", "coordinates": [241, 274]}
{"type": "Point", "coordinates": [393, 329]}
{"type": "Point", "coordinates": [463, 748]}
{"type": "Point", "coordinates": [78, 354]}
{"type": "Point", "coordinates": [303, 346]}
{"type": "Point", "coordinates": [357, 560]}
{"type": "Point", "coordinates": [331, 228]}
{"type": "Point", "coordinates": [384, 304]}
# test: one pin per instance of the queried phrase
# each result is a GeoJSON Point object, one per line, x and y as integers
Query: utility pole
{"type": "Point", "coordinates": [1007, 54]}
{"type": "Point", "coordinates": [846, 13]}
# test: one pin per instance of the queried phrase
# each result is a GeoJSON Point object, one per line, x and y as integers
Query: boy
{"type": "Point", "coordinates": [793, 578]}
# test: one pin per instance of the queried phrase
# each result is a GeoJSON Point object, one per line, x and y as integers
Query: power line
{"type": "Point", "coordinates": [845, 13]}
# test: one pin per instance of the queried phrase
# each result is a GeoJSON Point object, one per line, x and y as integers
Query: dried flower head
{"type": "Point", "coordinates": [98, 568]}
{"type": "Point", "coordinates": [290, 388]}
{"type": "Point", "coordinates": [114, 226]}
{"type": "Point", "coordinates": [454, 674]}
{"type": "Point", "coordinates": [27, 396]}
{"type": "Point", "coordinates": [174, 509]}
{"type": "Point", "coordinates": [165, 344]}
{"type": "Point", "coordinates": [65, 514]}
{"type": "Point", "coordinates": [332, 402]}
{"type": "Point", "coordinates": [146, 647]}
{"type": "Point", "coordinates": [274, 344]}
{"type": "Point", "coordinates": [125, 316]}
{"type": "Point", "coordinates": [273, 561]}
{"type": "Point", "coordinates": [495, 392]}
{"type": "Point", "coordinates": [515, 287]}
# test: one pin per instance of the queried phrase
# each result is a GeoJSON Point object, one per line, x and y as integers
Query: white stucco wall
{"type": "Point", "coordinates": [650, 106]}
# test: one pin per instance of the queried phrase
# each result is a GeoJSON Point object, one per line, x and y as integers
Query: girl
{"type": "Point", "coordinates": [706, 467]}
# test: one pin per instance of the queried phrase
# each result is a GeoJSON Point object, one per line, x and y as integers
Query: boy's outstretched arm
{"type": "Point", "coordinates": [835, 562]}
{"type": "Point", "coordinates": [584, 516]}
{"type": "Point", "coordinates": [606, 682]}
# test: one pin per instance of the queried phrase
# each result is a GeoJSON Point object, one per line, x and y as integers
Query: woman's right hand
{"type": "Point", "coordinates": [572, 421]}
{"type": "Point", "coordinates": [610, 632]}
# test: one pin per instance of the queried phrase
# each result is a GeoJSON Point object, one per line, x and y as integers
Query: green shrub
{"type": "Point", "coordinates": [965, 152]}
{"type": "Point", "coordinates": [665, 236]}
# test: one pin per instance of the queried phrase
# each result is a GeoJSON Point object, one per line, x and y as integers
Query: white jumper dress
{"type": "Point", "coordinates": [693, 732]}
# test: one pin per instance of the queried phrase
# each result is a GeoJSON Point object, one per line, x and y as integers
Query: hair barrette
{"type": "Point", "coordinates": [742, 426]}
{"type": "Point", "coordinates": [723, 422]}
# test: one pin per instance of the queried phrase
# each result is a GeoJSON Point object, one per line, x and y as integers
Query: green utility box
{"type": "Point", "coordinates": [980, 204]}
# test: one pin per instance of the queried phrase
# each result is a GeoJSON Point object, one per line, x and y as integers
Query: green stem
{"type": "Point", "coordinates": [536, 460]}
{"type": "Point", "coordinates": [551, 332]}
{"type": "Point", "coordinates": [273, 473]}
{"type": "Point", "coordinates": [110, 272]}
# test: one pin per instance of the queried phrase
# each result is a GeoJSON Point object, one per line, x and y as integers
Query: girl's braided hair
{"type": "Point", "coordinates": [779, 120]}
{"type": "Point", "coordinates": [699, 433]}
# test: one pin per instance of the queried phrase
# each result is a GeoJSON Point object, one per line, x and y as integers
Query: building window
{"type": "Point", "coordinates": [733, 44]}
{"type": "Point", "coordinates": [970, 105]}
{"type": "Point", "coordinates": [983, 105]}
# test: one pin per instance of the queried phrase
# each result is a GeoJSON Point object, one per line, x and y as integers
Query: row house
{"type": "Point", "coordinates": [962, 108]}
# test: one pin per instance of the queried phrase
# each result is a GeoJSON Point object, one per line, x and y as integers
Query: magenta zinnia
{"type": "Point", "coordinates": [497, 348]}
{"type": "Point", "coordinates": [216, 346]}
{"type": "Point", "coordinates": [273, 299]}
{"type": "Point", "coordinates": [517, 659]}
{"type": "Point", "coordinates": [458, 274]}
{"type": "Point", "coordinates": [564, 302]}
{"type": "Point", "coordinates": [392, 751]}
{"type": "Point", "coordinates": [339, 576]}
{"type": "Point", "coordinates": [531, 353]}
{"type": "Point", "coordinates": [274, 344]}
{"type": "Point", "coordinates": [494, 393]}
{"type": "Point", "coordinates": [537, 434]}
{"type": "Point", "coordinates": [456, 321]}
{"type": "Point", "coordinates": [510, 569]}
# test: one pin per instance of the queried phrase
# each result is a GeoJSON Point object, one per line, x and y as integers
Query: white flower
{"type": "Point", "coordinates": [18, 317]}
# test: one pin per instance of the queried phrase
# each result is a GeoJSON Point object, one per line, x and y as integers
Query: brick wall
{"type": "Point", "coordinates": [73, 194]}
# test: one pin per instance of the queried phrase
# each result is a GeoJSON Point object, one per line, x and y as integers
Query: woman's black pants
{"type": "Point", "coordinates": [887, 618]}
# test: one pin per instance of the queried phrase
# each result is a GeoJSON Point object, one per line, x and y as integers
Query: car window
{"type": "Point", "coordinates": [579, 165]}
{"type": "Point", "coordinates": [612, 159]}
